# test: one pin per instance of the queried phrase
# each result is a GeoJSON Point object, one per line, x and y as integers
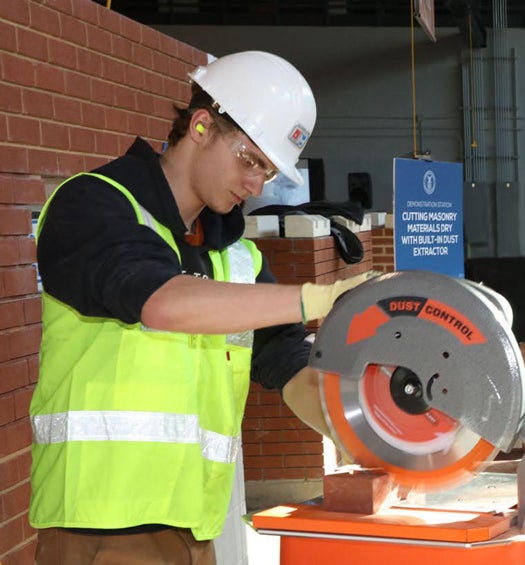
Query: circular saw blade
{"type": "Point", "coordinates": [421, 377]}
{"type": "Point", "coordinates": [425, 452]}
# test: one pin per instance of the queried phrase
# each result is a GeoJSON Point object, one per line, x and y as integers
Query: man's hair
{"type": "Point", "coordinates": [199, 99]}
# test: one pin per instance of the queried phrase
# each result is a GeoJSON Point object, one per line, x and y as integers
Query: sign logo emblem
{"type": "Point", "coordinates": [429, 182]}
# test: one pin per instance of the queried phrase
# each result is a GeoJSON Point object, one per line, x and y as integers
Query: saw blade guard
{"type": "Point", "coordinates": [421, 376]}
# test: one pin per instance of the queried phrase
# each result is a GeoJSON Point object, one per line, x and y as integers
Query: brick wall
{"type": "Point", "coordinates": [78, 82]}
{"type": "Point", "coordinates": [276, 444]}
{"type": "Point", "coordinates": [383, 249]}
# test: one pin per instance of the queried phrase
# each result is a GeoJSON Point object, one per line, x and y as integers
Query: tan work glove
{"type": "Point", "coordinates": [317, 299]}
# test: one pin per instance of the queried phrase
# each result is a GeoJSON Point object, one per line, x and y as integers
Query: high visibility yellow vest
{"type": "Point", "coordinates": [135, 426]}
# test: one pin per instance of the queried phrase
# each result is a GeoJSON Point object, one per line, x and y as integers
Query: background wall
{"type": "Point", "coordinates": [78, 82]}
{"type": "Point", "coordinates": [362, 80]}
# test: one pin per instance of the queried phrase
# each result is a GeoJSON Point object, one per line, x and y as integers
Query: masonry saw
{"type": "Point", "coordinates": [421, 377]}
{"type": "Point", "coordinates": [422, 380]}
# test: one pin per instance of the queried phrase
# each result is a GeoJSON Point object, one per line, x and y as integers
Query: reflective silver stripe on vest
{"type": "Point", "coordinates": [242, 270]}
{"type": "Point", "coordinates": [148, 218]}
{"type": "Point", "coordinates": [108, 425]}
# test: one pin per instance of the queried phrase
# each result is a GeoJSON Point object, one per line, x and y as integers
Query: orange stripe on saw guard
{"type": "Point", "coordinates": [452, 320]}
{"type": "Point", "coordinates": [446, 477]}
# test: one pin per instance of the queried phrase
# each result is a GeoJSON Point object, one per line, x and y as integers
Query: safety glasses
{"type": "Point", "coordinates": [251, 164]}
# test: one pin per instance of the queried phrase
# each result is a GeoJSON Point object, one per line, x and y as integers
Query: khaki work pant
{"type": "Point", "coordinates": [172, 546]}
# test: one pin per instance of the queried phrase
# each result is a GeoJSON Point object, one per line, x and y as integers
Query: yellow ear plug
{"type": "Point", "coordinates": [200, 128]}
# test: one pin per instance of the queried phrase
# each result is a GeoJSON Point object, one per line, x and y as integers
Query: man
{"type": "Point", "coordinates": [149, 311]}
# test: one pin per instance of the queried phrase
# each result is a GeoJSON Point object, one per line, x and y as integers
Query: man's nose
{"type": "Point", "coordinates": [254, 185]}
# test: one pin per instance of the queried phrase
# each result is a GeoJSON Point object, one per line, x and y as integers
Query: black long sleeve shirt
{"type": "Point", "coordinates": [94, 256]}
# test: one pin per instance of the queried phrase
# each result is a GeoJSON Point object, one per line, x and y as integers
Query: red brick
{"type": "Point", "coordinates": [263, 462]}
{"type": "Point", "coordinates": [186, 52]}
{"type": "Point", "coordinates": [292, 448]}
{"type": "Point", "coordinates": [10, 98]}
{"type": "Point", "coordinates": [43, 18]}
{"type": "Point", "coordinates": [314, 243]}
{"type": "Point", "coordinates": [9, 254]}
{"type": "Point", "coordinates": [142, 56]}
{"type": "Point", "coordinates": [150, 37]}
{"type": "Point", "coordinates": [11, 314]}
{"type": "Point", "coordinates": [62, 54]}
{"type": "Point", "coordinates": [24, 341]}
{"type": "Point", "coordinates": [77, 85]}
{"type": "Point", "coordinates": [18, 281]}
{"type": "Point", "coordinates": [50, 78]}
{"type": "Point", "coordinates": [283, 474]}
{"type": "Point", "coordinates": [19, 189]}
{"type": "Point", "coordinates": [32, 368]}
{"type": "Point", "coordinates": [130, 28]}
{"type": "Point", "coordinates": [253, 474]}
{"type": "Point", "coordinates": [43, 162]}
{"type": "Point", "coordinates": [7, 36]}
{"type": "Point", "coordinates": [23, 130]}
{"type": "Point", "coordinates": [11, 532]}
{"type": "Point", "coordinates": [270, 397]}
{"type": "Point", "coordinates": [66, 110]}
{"type": "Point", "coordinates": [262, 411]}
{"type": "Point", "coordinates": [169, 46]}
{"type": "Point", "coordinates": [69, 164]}
{"type": "Point", "coordinates": [137, 124]}
{"type": "Point", "coordinates": [303, 461]}
{"type": "Point", "coordinates": [160, 63]}
{"type": "Point", "coordinates": [314, 473]}
{"type": "Point", "coordinates": [18, 70]}
{"type": "Point", "coordinates": [92, 162]}
{"type": "Point", "coordinates": [121, 48]}
{"type": "Point", "coordinates": [37, 104]}
{"type": "Point", "coordinates": [87, 11]}
{"type": "Point", "coordinates": [106, 143]}
{"type": "Point", "coordinates": [14, 221]}
{"type": "Point", "coordinates": [362, 492]}
{"type": "Point", "coordinates": [125, 97]}
{"type": "Point", "coordinates": [102, 92]}
{"type": "Point", "coordinates": [15, 12]}
{"type": "Point", "coordinates": [382, 241]}
{"type": "Point", "coordinates": [116, 119]}
{"type": "Point", "coordinates": [9, 473]}
{"type": "Point", "coordinates": [112, 70]}
{"type": "Point", "coordinates": [7, 410]}
{"type": "Point", "coordinates": [32, 310]}
{"type": "Point", "coordinates": [22, 399]}
{"type": "Point", "coordinates": [110, 20]}
{"type": "Point", "coordinates": [26, 250]}
{"type": "Point", "coordinates": [89, 62]}
{"type": "Point", "coordinates": [282, 423]}
{"type": "Point", "coordinates": [32, 44]}
{"type": "Point", "coordinates": [93, 116]}
{"type": "Point", "coordinates": [72, 29]}
{"type": "Point", "coordinates": [14, 437]}
{"type": "Point", "coordinates": [13, 373]}
{"type": "Point", "coordinates": [82, 140]}
{"type": "Point", "coordinates": [134, 77]}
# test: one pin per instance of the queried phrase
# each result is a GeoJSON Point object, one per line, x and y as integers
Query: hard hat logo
{"type": "Point", "coordinates": [268, 99]}
{"type": "Point", "coordinates": [299, 136]}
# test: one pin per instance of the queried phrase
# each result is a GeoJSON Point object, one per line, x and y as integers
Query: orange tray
{"type": "Point", "coordinates": [455, 526]}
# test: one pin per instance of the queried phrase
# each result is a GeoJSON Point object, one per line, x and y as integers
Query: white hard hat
{"type": "Point", "coordinates": [269, 100]}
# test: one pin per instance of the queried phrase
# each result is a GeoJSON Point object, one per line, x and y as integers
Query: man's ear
{"type": "Point", "coordinates": [200, 123]}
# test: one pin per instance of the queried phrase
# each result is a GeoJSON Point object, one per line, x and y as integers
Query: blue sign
{"type": "Point", "coordinates": [428, 216]}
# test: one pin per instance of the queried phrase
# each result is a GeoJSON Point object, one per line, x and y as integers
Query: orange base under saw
{"type": "Point", "coordinates": [398, 536]}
